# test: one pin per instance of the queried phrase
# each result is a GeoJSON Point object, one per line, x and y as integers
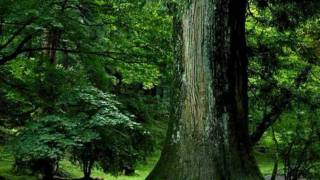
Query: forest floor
{"type": "Point", "coordinates": [142, 169]}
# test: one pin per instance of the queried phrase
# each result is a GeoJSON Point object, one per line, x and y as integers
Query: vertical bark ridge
{"type": "Point", "coordinates": [208, 137]}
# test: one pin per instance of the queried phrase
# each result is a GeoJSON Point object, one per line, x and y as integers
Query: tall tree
{"type": "Point", "coordinates": [208, 135]}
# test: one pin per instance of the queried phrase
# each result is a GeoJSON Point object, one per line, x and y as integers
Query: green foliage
{"type": "Point", "coordinates": [283, 46]}
{"type": "Point", "coordinates": [277, 59]}
{"type": "Point", "coordinates": [62, 61]}
{"type": "Point", "coordinates": [299, 144]}
{"type": "Point", "coordinates": [104, 134]}
{"type": "Point", "coordinates": [90, 126]}
{"type": "Point", "coordinates": [146, 74]}
{"type": "Point", "coordinates": [45, 138]}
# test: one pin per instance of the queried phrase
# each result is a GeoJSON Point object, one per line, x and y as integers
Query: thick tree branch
{"type": "Point", "coordinates": [15, 34]}
{"type": "Point", "coordinates": [279, 106]}
{"type": "Point", "coordinates": [76, 51]}
{"type": "Point", "coordinates": [110, 54]}
{"type": "Point", "coordinates": [18, 50]}
{"type": "Point", "coordinates": [79, 51]}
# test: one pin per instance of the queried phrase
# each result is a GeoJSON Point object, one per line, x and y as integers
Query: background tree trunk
{"type": "Point", "coordinates": [208, 134]}
{"type": "Point", "coordinates": [276, 156]}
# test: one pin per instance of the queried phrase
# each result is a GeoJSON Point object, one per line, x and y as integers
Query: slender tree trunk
{"type": "Point", "coordinates": [49, 169]}
{"type": "Point", "coordinates": [87, 166]}
{"type": "Point", "coordinates": [1, 25]}
{"type": "Point", "coordinates": [53, 43]}
{"type": "Point", "coordinates": [208, 134]}
{"type": "Point", "coordinates": [276, 156]}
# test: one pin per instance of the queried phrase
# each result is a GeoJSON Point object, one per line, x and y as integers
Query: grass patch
{"type": "Point", "coordinates": [266, 163]}
{"type": "Point", "coordinates": [6, 172]}
{"type": "Point", "coordinates": [142, 169]}
{"type": "Point", "coordinates": [141, 172]}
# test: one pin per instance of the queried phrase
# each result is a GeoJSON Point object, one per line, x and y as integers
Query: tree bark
{"type": "Point", "coordinates": [208, 133]}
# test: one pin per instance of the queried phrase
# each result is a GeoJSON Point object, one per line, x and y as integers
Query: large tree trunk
{"type": "Point", "coordinates": [208, 134]}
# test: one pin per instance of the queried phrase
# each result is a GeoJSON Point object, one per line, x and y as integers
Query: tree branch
{"type": "Point", "coordinates": [278, 107]}
{"type": "Point", "coordinates": [15, 34]}
{"type": "Point", "coordinates": [18, 50]}
{"type": "Point", "coordinates": [125, 57]}
{"type": "Point", "coordinates": [78, 51]}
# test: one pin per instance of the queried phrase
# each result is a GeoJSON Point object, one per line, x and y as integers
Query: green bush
{"type": "Point", "coordinates": [89, 127]}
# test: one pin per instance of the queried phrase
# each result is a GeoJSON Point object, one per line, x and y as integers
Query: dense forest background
{"type": "Point", "coordinates": [87, 87]}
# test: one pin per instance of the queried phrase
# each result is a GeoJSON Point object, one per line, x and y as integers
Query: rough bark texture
{"type": "Point", "coordinates": [208, 135]}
